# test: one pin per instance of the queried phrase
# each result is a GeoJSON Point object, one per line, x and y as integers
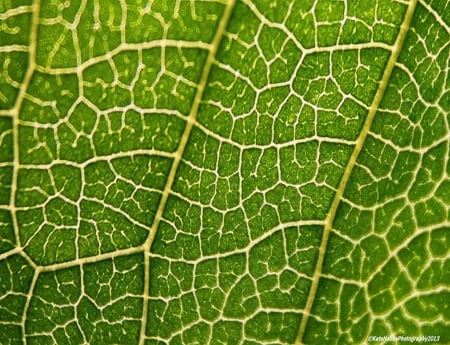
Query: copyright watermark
{"type": "Point", "coordinates": [405, 339]}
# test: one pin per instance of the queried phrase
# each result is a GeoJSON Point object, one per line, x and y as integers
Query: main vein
{"type": "Point", "coordinates": [36, 7]}
{"type": "Point", "coordinates": [223, 23]}
{"type": "Point", "coordinates": [16, 113]}
{"type": "Point", "coordinates": [396, 49]}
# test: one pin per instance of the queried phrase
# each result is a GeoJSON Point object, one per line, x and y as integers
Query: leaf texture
{"type": "Point", "coordinates": [224, 172]}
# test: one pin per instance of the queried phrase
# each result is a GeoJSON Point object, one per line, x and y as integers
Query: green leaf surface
{"type": "Point", "coordinates": [224, 172]}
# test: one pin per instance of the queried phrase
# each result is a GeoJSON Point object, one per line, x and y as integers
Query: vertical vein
{"type": "Point", "coordinates": [190, 121]}
{"type": "Point", "coordinates": [396, 49]}
{"type": "Point", "coordinates": [16, 113]}
{"type": "Point", "coordinates": [36, 6]}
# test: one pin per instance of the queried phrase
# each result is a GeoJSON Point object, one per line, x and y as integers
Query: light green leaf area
{"type": "Point", "coordinates": [224, 172]}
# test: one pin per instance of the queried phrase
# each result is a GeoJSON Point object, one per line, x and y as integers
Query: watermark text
{"type": "Point", "coordinates": [405, 339]}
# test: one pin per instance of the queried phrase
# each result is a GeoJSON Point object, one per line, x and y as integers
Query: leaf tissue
{"type": "Point", "coordinates": [224, 172]}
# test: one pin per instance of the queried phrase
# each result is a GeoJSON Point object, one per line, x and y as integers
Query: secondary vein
{"type": "Point", "coordinates": [223, 23]}
{"type": "Point", "coordinates": [396, 49]}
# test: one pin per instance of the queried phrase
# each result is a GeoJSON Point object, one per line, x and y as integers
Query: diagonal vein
{"type": "Point", "coordinates": [191, 119]}
{"type": "Point", "coordinates": [396, 49]}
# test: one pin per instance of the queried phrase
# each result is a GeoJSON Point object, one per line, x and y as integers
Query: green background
{"type": "Point", "coordinates": [168, 170]}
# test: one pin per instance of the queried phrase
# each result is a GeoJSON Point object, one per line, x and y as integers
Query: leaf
{"type": "Point", "coordinates": [221, 172]}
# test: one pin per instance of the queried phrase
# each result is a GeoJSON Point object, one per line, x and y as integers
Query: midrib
{"type": "Point", "coordinates": [395, 51]}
